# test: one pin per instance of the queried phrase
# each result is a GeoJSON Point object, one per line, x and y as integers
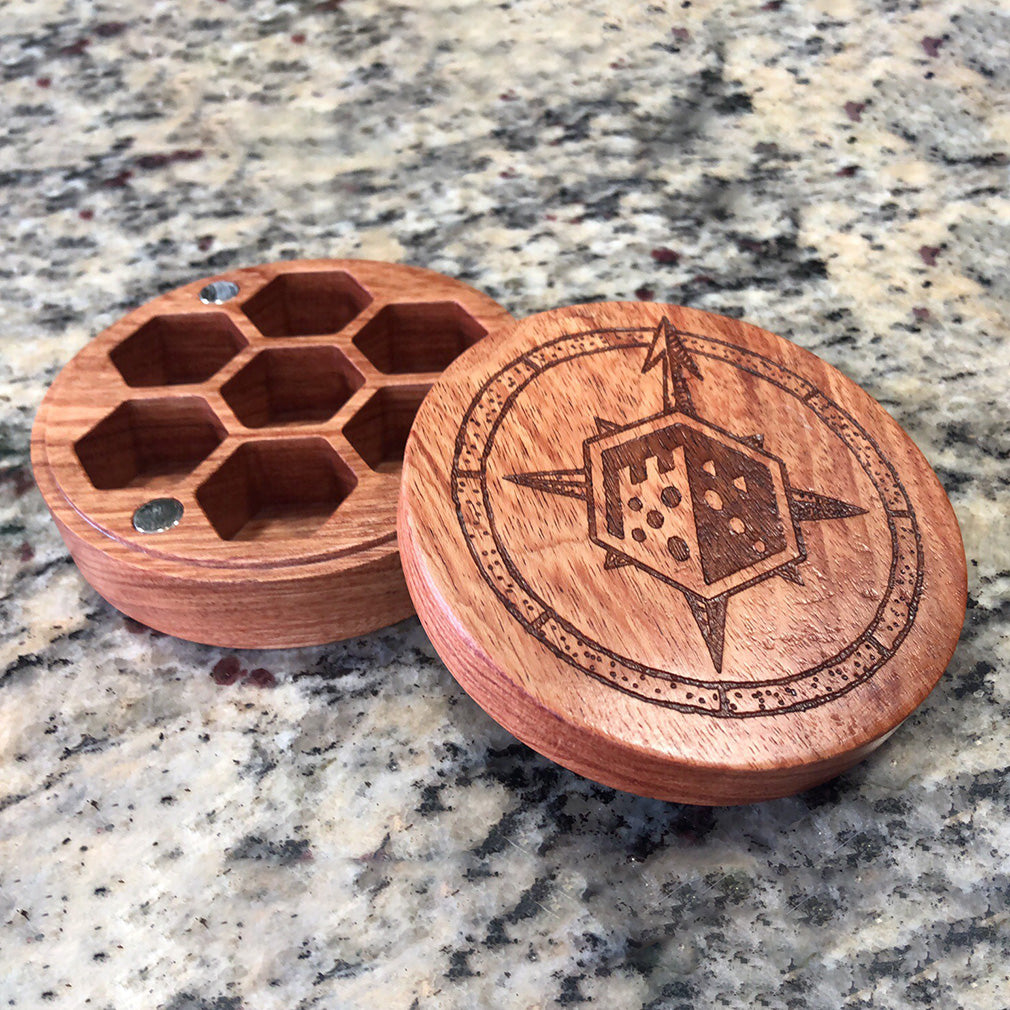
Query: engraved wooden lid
{"type": "Point", "coordinates": [677, 553]}
{"type": "Point", "coordinates": [224, 462]}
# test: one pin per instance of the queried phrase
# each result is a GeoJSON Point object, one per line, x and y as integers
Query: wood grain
{"type": "Point", "coordinates": [677, 553]}
{"type": "Point", "coordinates": [278, 419]}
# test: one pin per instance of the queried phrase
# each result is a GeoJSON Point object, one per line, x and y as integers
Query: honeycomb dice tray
{"type": "Point", "coordinates": [237, 414]}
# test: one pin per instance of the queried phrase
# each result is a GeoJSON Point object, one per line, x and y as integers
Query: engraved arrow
{"type": "Point", "coordinates": [668, 347]}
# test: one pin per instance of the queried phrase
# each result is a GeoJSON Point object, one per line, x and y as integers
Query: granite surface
{"type": "Point", "coordinates": [346, 828]}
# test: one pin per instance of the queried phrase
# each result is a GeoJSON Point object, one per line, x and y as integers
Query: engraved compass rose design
{"type": "Point", "coordinates": [701, 509]}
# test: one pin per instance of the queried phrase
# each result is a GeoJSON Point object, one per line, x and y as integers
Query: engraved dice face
{"type": "Point", "coordinates": [655, 510]}
{"type": "Point", "coordinates": [690, 504]}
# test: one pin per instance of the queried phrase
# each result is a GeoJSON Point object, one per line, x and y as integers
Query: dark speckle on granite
{"type": "Point", "coordinates": [190, 1001]}
{"type": "Point", "coordinates": [283, 853]}
{"type": "Point", "coordinates": [189, 828]}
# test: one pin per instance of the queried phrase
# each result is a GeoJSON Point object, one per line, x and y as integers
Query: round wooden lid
{"type": "Point", "coordinates": [677, 553]}
{"type": "Point", "coordinates": [224, 462]}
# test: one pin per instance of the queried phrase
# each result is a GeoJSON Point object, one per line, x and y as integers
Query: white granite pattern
{"type": "Point", "coordinates": [350, 830]}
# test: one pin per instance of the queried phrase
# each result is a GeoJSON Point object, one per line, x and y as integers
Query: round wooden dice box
{"type": "Point", "coordinates": [677, 553]}
{"type": "Point", "coordinates": [271, 406]}
{"type": "Point", "coordinates": [669, 550]}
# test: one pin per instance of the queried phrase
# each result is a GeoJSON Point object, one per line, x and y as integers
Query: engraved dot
{"type": "Point", "coordinates": [736, 525]}
{"type": "Point", "coordinates": [670, 497]}
{"type": "Point", "coordinates": [713, 501]}
{"type": "Point", "coordinates": [654, 519]}
{"type": "Point", "coordinates": [677, 546]}
{"type": "Point", "coordinates": [759, 546]}
{"type": "Point", "coordinates": [635, 504]}
{"type": "Point", "coordinates": [638, 534]}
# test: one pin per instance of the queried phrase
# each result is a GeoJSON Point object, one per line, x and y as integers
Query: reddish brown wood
{"type": "Point", "coordinates": [278, 419]}
{"type": "Point", "coordinates": [677, 553]}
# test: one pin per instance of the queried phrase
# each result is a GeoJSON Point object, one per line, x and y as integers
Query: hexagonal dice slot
{"type": "Point", "coordinates": [379, 430]}
{"type": "Point", "coordinates": [291, 385]}
{"type": "Point", "coordinates": [276, 489]}
{"type": "Point", "coordinates": [171, 350]}
{"type": "Point", "coordinates": [421, 337]}
{"type": "Point", "coordinates": [306, 304]}
{"type": "Point", "coordinates": [149, 443]}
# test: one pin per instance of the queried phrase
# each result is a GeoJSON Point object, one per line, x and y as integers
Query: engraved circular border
{"type": "Point", "coordinates": [853, 665]}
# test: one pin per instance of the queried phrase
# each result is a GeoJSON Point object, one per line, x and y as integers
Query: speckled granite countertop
{"type": "Point", "coordinates": [349, 830]}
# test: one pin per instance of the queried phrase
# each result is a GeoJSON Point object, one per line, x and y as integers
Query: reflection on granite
{"type": "Point", "coordinates": [342, 827]}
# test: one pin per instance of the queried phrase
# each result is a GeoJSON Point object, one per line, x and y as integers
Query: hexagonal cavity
{"type": "Point", "coordinates": [314, 303]}
{"type": "Point", "coordinates": [149, 443]}
{"type": "Point", "coordinates": [379, 430]}
{"type": "Point", "coordinates": [275, 489]}
{"type": "Point", "coordinates": [422, 337]}
{"type": "Point", "coordinates": [172, 350]}
{"type": "Point", "coordinates": [291, 385]}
